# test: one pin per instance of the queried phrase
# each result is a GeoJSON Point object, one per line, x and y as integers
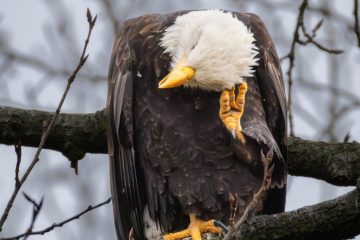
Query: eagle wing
{"type": "Point", "coordinates": [127, 203]}
{"type": "Point", "coordinates": [127, 182]}
{"type": "Point", "coordinates": [269, 78]}
{"type": "Point", "coordinates": [271, 84]}
{"type": "Point", "coordinates": [272, 133]}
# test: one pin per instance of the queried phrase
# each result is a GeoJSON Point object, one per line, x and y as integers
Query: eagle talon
{"type": "Point", "coordinates": [194, 230]}
{"type": "Point", "coordinates": [221, 225]}
{"type": "Point", "coordinates": [232, 109]}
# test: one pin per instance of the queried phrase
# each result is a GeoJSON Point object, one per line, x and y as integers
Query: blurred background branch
{"type": "Point", "coordinates": [356, 19]}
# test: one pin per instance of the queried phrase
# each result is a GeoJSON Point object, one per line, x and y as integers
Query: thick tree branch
{"type": "Point", "coordinates": [335, 163]}
{"type": "Point", "coordinates": [74, 135]}
{"type": "Point", "coordinates": [335, 219]}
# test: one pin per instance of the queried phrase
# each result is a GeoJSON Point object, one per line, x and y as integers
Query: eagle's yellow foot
{"type": "Point", "coordinates": [232, 109]}
{"type": "Point", "coordinates": [194, 230]}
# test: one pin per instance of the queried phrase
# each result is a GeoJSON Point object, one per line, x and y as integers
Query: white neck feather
{"type": "Point", "coordinates": [218, 46]}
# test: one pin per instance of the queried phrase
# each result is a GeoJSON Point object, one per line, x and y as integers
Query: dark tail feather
{"type": "Point", "coordinates": [275, 200]}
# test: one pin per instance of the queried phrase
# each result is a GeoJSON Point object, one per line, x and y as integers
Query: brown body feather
{"type": "Point", "coordinates": [169, 149]}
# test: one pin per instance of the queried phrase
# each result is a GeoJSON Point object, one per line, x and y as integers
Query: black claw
{"type": "Point", "coordinates": [221, 225]}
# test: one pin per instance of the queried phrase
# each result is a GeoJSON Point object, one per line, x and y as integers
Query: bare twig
{"type": "Point", "coordinates": [36, 210]}
{"type": "Point", "coordinates": [331, 13]}
{"type": "Point", "coordinates": [268, 170]}
{"type": "Point", "coordinates": [310, 39]}
{"type": "Point", "coordinates": [233, 200]}
{"type": "Point", "coordinates": [356, 19]}
{"type": "Point", "coordinates": [60, 224]}
{"type": "Point", "coordinates": [291, 57]}
{"type": "Point", "coordinates": [18, 161]}
{"type": "Point", "coordinates": [82, 60]}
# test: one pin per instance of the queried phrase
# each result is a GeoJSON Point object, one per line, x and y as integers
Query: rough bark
{"type": "Point", "coordinates": [335, 219]}
{"type": "Point", "coordinates": [74, 135]}
{"type": "Point", "coordinates": [77, 134]}
{"type": "Point", "coordinates": [335, 163]}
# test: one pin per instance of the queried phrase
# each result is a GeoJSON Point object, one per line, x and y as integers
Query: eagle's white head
{"type": "Point", "coordinates": [210, 49]}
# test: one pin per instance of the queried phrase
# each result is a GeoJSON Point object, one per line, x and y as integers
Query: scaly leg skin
{"type": "Point", "coordinates": [194, 230]}
{"type": "Point", "coordinates": [232, 109]}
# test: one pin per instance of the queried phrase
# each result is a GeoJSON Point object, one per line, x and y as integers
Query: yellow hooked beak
{"type": "Point", "coordinates": [178, 76]}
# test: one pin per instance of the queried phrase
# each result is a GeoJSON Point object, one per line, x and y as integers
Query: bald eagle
{"type": "Point", "coordinates": [194, 98]}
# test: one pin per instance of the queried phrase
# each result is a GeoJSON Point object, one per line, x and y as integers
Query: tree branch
{"type": "Point", "coordinates": [74, 135]}
{"type": "Point", "coordinates": [335, 219]}
{"type": "Point", "coordinates": [36, 211]}
{"type": "Point", "coordinates": [335, 163]}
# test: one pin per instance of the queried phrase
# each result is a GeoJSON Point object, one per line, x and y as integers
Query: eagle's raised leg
{"type": "Point", "coordinates": [232, 109]}
{"type": "Point", "coordinates": [194, 230]}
